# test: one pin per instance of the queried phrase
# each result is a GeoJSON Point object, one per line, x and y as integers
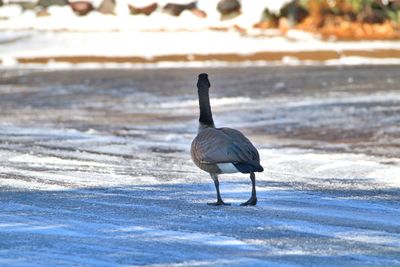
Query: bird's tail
{"type": "Point", "coordinates": [248, 168]}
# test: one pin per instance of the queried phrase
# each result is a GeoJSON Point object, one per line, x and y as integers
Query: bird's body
{"type": "Point", "coordinates": [222, 150]}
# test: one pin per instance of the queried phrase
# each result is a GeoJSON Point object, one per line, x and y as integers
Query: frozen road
{"type": "Point", "coordinates": [96, 171]}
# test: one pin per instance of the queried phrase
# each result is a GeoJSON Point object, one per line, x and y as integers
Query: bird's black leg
{"type": "Point", "coordinates": [253, 199]}
{"type": "Point", "coordinates": [219, 199]}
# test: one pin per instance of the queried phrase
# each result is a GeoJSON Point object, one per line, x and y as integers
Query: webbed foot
{"type": "Point", "coordinates": [251, 202]}
{"type": "Point", "coordinates": [218, 203]}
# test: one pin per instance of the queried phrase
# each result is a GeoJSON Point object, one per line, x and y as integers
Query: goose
{"type": "Point", "coordinates": [222, 150]}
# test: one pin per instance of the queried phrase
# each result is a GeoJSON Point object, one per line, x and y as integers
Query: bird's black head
{"type": "Point", "coordinates": [203, 83]}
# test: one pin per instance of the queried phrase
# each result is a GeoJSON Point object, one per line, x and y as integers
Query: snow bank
{"type": "Point", "coordinates": [63, 34]}
{"type": "Point", "coordinates": [147, 45]}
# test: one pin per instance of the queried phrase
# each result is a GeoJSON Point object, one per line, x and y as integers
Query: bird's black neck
{"type": "Point", "coordinates": [205, 119]}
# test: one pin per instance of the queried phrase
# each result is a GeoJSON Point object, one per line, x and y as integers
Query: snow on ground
{"type": "Point", "coordinates": [96, 168]}
{"type": "Point", "coordinates": [31, 44]}
{"type": "Point", "coordinates": [63, 33]}
{"type": "Point", "coordinates": [147, 44]}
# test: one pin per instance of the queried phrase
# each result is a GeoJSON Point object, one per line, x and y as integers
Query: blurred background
{"type": "Point", "coordinates": [198, 32]}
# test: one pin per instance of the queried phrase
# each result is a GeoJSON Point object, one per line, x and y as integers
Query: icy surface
{"type": "Point", "coordinates": [96, 168]}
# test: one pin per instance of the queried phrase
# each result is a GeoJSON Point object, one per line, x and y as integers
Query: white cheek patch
{"type": "Point", "coordinates": [227, 168]}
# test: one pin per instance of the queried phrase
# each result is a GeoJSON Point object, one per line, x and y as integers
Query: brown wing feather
{"type": "Point", "coordinates": [223, 145]}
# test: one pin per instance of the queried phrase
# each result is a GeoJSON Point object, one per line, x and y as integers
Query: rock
{"type": "Point", "coordinates": [294, 12]}
{"type": "Point", "coordinates": [26, 5]}
{"type": "Point", "coordinates": [268, 20]}
{"type": "Point", "coordinates": [177, 9]}
{"type": "Point", "coordinates": [198, 13]}
{"type": "Point", "coordinates": [107, 7]}
{"type": "Point", "coordinates": [226, 7]}
{"type": "Point", "coordinates": [146, 10]}
{"type": "Point", "coordinates": [47, 3]}
{"type": "Point", "coordinates": [81, 8]}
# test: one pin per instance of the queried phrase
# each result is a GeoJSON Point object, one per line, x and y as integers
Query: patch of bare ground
{"type": "Point", "coordinates": [318, 56]}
